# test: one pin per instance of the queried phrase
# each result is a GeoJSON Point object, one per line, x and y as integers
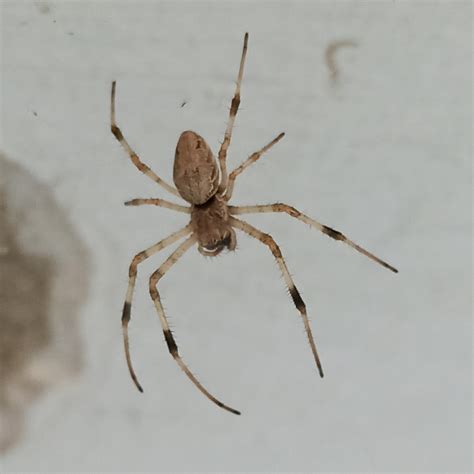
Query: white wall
{"type": "Point", "coordinates": [382, 156]}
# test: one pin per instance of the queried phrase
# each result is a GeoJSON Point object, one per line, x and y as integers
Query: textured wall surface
{"type": "Point", "coordinates": [375, 99]}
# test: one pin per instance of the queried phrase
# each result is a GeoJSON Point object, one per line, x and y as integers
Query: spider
{"type": "Point", "coordinates": [207, 187]}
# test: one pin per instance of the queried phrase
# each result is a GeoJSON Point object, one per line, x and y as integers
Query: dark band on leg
{"type": "Point", "coordinates": [117, 132]}
{"type": "Point", "coordinates": [127, 307]}
{"type": "Point", "coordinates": [172, 347]}
{"type": "Point", "coordinates": [335, 234]}
{"type": "Point", "coordinates": [235, 105]}
{"type": "Point", "coordinates": [299, 303]}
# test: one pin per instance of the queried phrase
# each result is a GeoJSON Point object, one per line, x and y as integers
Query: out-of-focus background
{"type": "Point", "coordinates": [375, 99]}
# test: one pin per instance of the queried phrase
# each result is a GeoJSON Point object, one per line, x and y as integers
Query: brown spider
{"type": "Point", "coordinates": [207, 188]}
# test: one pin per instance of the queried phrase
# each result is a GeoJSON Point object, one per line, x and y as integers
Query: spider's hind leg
{"type": "Point", "coordinates": [329, 231]}
{"type": "Point", "coordinates": [170, 341]}
{"type": "Point", "coordinates": [295, 295]}
{"type": "Point", "coordinates": [132, 276]}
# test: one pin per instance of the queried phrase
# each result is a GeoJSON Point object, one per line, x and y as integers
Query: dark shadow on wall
{"type": "Point", "coordinates": [44, 270]}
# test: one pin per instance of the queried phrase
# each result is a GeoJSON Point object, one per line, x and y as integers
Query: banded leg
{"type": "Point", "coordinates": [132, 276]}
{"type": "Point", "coordinates": [172, 347]}
{"type": "Point", "coordinates": [251, 159]}
{"type": "Point", "coordinates": [334, 234]}
{"type": "Point", "coordinates": [160, 203]}
{"type": "Point", "coordinates": [234, 107]}
{"type": "Point", "coordinates": [146, 170]}
{"type": "Point", "coordinates": [295, 295]}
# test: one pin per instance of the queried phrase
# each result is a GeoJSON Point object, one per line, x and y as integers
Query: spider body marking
{"type": "Point", "coordinates": [195, 171]}
{"type": "Point", "coordinates": [204, 183]}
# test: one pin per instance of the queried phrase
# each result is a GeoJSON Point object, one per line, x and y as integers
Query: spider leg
{"type": "Point", "coordinates": [334, 234]}
{"type": "Point", "coordinates": [295, 295]}
{"type": "Point", "coordinates": [146, 170]}
{"type": "Point", "coordinates": [132, 276]}
{"type": "Point", "coordinates": [230, 124]}
{"type": "Point", "coordinates": [160, 203]}
{"type": "Point", "coordinates": [172, 347]}
{"type": "Point", "coordinates": [251, 159]}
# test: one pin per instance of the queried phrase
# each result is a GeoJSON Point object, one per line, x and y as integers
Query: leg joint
{"type": "Point", "coordinates": [141, 166]}
{"type": "Point", "coordinates": [288, 209]}
{"type": "Point", "coordinates": [132, 271]}
{"type": "Point", "coordinates": [268, 240]}
{"type": "Point", "coordinates": [155, 277]}
{"type": "Point", "coordinates": [116, 131]}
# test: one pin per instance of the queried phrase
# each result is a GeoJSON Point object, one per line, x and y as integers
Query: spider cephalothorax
{"type": "Point", "coordinates": [210, 223]}
{"type": "Point", "coordinates": [204, 184]}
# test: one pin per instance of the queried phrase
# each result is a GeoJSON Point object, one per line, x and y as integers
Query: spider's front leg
{"type": "Point", "coordinates": [145, 169]}
{"type": "Point", "coordinates": [230, 124]}
{"type": "Point", "coordinates": [170, 341]}
{"type": "Point", "coordinates": [250, 160]}
{"type": "Point", "coordinates": [295, 295]}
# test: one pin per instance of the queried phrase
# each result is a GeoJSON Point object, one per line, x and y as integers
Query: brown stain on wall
{"type": "Point", "coordinates": [330, 56]}
{"type": "Point", "coordinates": [43, 282]}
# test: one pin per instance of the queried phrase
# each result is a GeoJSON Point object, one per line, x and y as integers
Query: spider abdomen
{"type": "Point", "coordinates": [195, 173]}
